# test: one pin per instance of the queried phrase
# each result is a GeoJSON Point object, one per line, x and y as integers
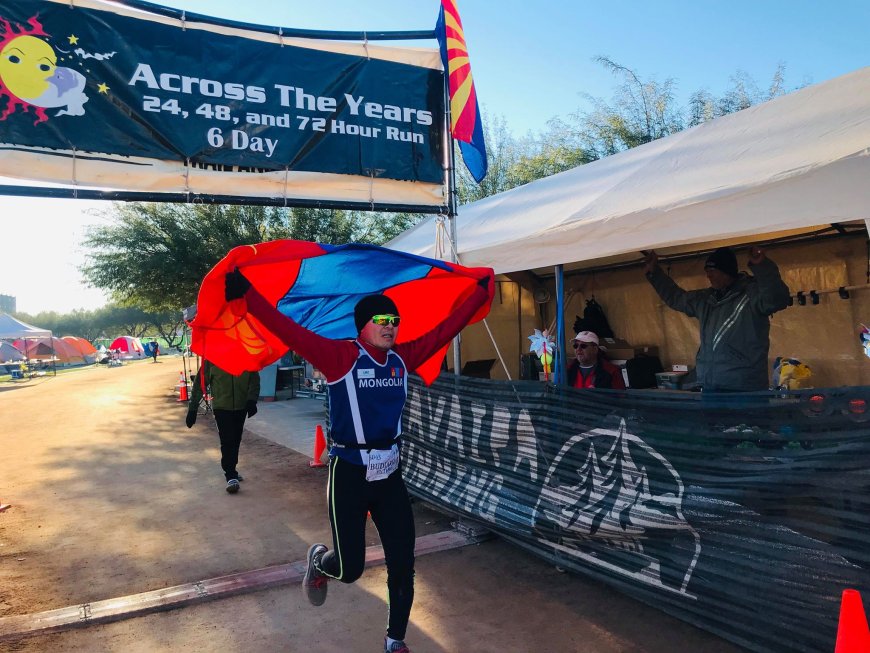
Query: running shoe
{"type": "Point", "coordinates": [396, 647]}
{"type": "Point", "coordinates": [232, 486]}
{"type": "Point", "coordinates": [314, 584]}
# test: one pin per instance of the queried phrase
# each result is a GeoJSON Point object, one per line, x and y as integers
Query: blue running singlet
{"type": "Point", "coordinates": [365, 406]}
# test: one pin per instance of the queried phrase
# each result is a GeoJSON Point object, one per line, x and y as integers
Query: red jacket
{"type": "Point", "coordinates": [605, 375]}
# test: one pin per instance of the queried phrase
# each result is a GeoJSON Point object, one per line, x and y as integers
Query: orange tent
{"type": "Point", "coordinates": [86, 349]}
{"type": "Point", "coordinates": [45, 348]}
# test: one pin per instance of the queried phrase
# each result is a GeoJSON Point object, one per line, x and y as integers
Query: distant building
{"type": "Point", "coordinates": [7, 304]}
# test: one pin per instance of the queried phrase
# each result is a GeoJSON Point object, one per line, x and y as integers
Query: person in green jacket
{"type": "Point", "coordinates": [233, 398]}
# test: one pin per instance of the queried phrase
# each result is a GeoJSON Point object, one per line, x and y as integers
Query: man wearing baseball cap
{"type": "Point", "coordinates": [590, 369]}
{"type": "Point", "coordinates": [734, 316]}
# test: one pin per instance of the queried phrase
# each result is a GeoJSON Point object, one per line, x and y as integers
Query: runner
{"type": "Point", "coordinates": [367, 387]}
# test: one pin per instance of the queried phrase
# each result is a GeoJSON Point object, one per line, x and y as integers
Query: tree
{"type": "Point", "coordinates": [322, 225]}
{"type": "Point", "coordinates": [642, 111]}
{"type": "Point", "coordinates": [742, 93]}
{"type": "Point", "coordinates": [154, 256]}
{"type": "Point", "coordinates": [554, 151]}
{"type": "Point", "coordinates": [502, 153]}
{"type": "Point", "coordinates": [169, 325]}
{"type": "Point", "coordinates": [111, 321]}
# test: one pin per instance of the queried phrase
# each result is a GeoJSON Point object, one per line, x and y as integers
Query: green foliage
{"type": "Point", "coordinates": [110, 322]}
{"type": "Point", "coordinates": [641, 111]}
{"type": "Point", "coordinates": [554, 151]}
{"type": "Point", "coordinates": [322, 225]}
{"type": "Point", "coordinates": [154, 256]}
{"type": "Point", "coordinates": [502, 152]}
{"type": "Point", "coordinates": [645, 110]}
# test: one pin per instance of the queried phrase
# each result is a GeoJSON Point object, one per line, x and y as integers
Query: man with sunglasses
{"type": "Point", "coordinates": [367, 388]}
{"type": "Point", "coordinates": [590, 369]}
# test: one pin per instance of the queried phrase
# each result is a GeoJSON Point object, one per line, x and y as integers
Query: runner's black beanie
{"type": "Point", "coordinates": [372, 305]}
{"type": "Point", "coordinates": [723, 259]}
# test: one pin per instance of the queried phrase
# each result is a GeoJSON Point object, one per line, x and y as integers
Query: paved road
{"type": "Point", "coordinates": [112, 496]}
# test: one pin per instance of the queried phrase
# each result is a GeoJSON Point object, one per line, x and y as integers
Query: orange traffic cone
{"type": "Point", "coordinates": [853, 635]}
{"type": "Point", "coordinates": [182, 387]}
{"type": "Point", "coordinates": [319, 448]}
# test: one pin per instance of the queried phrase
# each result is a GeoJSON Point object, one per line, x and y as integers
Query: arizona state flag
{"type": "Point", "coordinates": [466, 125]}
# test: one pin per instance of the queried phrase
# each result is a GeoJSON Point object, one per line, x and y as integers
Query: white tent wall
{"type": "Point", "coordinates": [793, 163]}
{"type": "Point", "coordinates": [512, 318]}
{"type": "Point", "coordinates": [824, 336]}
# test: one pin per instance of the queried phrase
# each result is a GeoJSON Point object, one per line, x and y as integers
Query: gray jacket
{"type": "Point", "coordinates": [735, 327]}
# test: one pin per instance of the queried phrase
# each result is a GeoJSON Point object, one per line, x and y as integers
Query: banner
{"type": "Point", "coordinates": [107, 96]}
{"type": "Point", "coordinates": [744, 514]}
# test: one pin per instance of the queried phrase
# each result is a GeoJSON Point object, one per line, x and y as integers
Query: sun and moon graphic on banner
{"type": "Point", "coordinates": [30, 76]}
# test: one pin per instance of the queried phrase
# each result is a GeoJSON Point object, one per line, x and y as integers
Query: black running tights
{"type": "Point", "coordinates": [350, 498]}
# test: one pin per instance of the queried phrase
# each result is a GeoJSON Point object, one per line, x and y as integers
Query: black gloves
{"type": "Point", "coordinates": [190, 420]}
{"type": "Point", "coordinates": [235, 285]}
{"type": "Point", "coordinates": [252, 408]}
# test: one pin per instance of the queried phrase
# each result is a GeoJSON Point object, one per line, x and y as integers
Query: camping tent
{"type": "Point", "coordinates": [51, 348]}
{"type": "Point", "coordinates": [789, 165]}
{"type": "Point", "coordinates": [83, 347]}
{"type": "Point", "coordinates": [129, 347]}
{"type": "Point", "coordinates": [24, 335]}
{"type": "Point", "coordinates": [38, 348]}
{"type": "Point", "coordinates": [9, 353]}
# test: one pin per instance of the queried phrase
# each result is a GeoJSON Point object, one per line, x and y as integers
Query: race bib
{"type": "Point", "coordinates": [382, 463]}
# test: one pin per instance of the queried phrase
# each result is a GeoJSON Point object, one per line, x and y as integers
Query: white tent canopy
{"type": "Point", "coordinates": [11, 328]}
{"type": "Point", "coordinates": [790, 164]}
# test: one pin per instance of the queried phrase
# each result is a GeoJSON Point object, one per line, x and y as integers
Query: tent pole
{"type": "Point", "coordinates": [457, 340]}
{"type": "Point", "coordinates": [561, 371]}
{"type": "Point", "coordinates": [451, 204]}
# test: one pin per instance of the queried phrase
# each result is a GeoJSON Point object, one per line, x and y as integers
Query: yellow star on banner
{"type": "Point", "coordinates": [102, 88]}
{"type": "Point", "coordinates": [73, 39]}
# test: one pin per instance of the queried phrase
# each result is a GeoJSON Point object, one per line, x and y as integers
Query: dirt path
{"type": "Point", "coordinates": [111, 496]}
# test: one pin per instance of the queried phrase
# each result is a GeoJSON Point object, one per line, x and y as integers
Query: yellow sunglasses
{"type": "Point", "coordinates": [383, 320]}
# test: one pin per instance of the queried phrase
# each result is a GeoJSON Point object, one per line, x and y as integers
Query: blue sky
{"type": "Point", "coordinates": [531, 62]}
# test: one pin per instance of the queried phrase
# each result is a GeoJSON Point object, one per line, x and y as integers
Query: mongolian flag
{"type": "Point", "coordinates": [318, 285]}
{"type": "Point", "coordinates": [466, 125]}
